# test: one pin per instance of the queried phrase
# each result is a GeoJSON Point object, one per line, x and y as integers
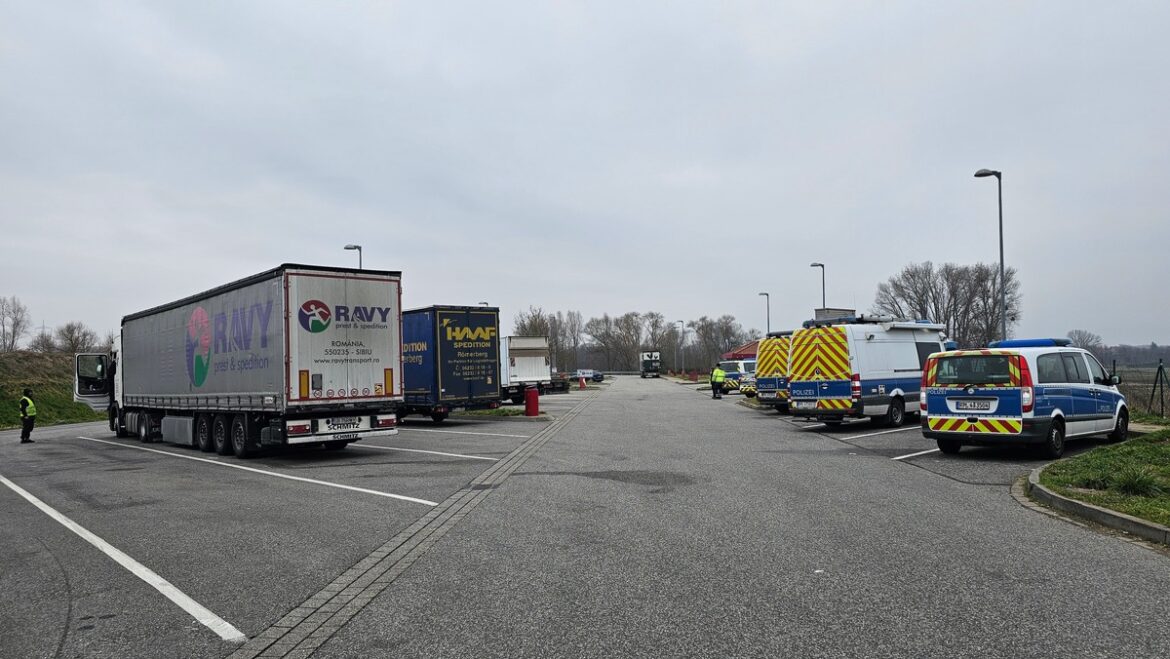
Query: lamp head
{"type": "Point", "coordinates": [353, 246]}
{"type": "Point", "coordinates": [986, 172]}
{"type": "Point", "coordinates": [816, 265]}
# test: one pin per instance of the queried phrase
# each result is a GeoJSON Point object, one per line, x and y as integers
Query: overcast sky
{"type": "Point", "coordinates": [605, 157]}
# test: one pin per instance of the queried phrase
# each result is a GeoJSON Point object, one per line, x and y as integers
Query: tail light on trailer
{"type": "Point", "coordinates": [299, 428]}
{"type": "Point", "coordinates": [1026, 397]}
{"type": "Point", "coordinates": [384, 421]}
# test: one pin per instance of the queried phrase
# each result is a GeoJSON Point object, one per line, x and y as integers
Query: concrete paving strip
{"type": "Point", "coordinates": [266, 472]}
{"type": "Point", "coordinates": [221, 627]}
{"type": "Point", "coordinates": [417, 450]}
{"type": "Point", "coordinates": [309, 626]}
{"type": "Point", "coordinates": [914, 455]}
{"type": "Point", "coordinates": [463, 432]}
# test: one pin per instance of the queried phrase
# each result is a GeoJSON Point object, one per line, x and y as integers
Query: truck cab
{"type": "Point", "coordinates": [650, 363]}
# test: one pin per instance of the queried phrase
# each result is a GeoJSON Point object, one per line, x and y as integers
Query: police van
{"type": "Point", "coordinates": [860, 366]}
{"type": "Point", "coordinates": [1021, 391]}
{"type": "Point", "coordinates": [772, 369]}
{"type": "Point", "coordinates": [735, 371]}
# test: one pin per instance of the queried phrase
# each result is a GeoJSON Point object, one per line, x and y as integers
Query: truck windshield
{"type": "Point", "coordinates": [974, 369]}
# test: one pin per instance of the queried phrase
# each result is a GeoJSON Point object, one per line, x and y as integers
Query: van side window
{"type": "Point", "coordinates": [1050, 369]}
{"type": "Point", "coordinates": [1096, 370]}
{"type": "Point", "coordinates": [1074, 367]}
{"type": "Point", "coordinates": [925, 350]}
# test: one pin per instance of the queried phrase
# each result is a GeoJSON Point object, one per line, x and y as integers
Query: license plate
{"type": "Point", "coordinates": [343, 423]}
{"type": "Point", "coordinates": [973, 405]}
{"type": "Point", "coordinates": [767, 394]}
{"type": "Point", "coordinates": [805, 404]}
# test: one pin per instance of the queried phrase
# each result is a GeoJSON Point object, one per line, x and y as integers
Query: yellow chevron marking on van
{"type": "Point", "coordinates": [985, 425]}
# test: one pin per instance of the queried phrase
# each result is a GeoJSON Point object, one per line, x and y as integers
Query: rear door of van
{"type": "Point", "coordinates": [820, 369]}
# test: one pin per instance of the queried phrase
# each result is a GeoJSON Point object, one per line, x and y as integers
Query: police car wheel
{"type": "Point", "coordinates": [1053, 446]}
{"type": "Point", "coordinates": [1121, 428]}
{"type": "Point", "coordinates": [949, 446]}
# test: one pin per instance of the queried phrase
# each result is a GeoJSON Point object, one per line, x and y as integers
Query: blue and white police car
{"type": "Point", "coordinates": [1020, 391]}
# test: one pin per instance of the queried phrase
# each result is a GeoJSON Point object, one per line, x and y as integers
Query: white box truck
{"type": "Point", "coordinates": [525, 362]}
{"type": "Point", "coordinates": [298, 354]}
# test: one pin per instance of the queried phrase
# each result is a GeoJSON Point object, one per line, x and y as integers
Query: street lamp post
{"type": "Point", "coordinates": [768, 301]}
{"type": "Point", "coordinates": [1002, 275]}
{"type": "Point", "coordinates": [822, 267]}
{"type": "Point", "coordinates": [359, 251]}
{"type": "Point", "coordinates": [680, 348]}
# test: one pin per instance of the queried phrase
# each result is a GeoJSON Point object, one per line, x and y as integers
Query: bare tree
{"type": "Point", "coordinates": [603, 334]}
{"type": "Point", "coordinates": [573, 328]}
{"type": "Point", "coordinates": [13, 323]}
{"type": "Point", "coordinates": [43, 342]}
{"type": "Point", "coordinates": [1089, 341]}
{"type": "Point", "coordinates": [533, 322]}
{"type": "Point", "coordinates": [75, 337]}
{"type": "Point", "coordinates": [713, 337]}
{"type": "Point", "coordinates": [656, 330]}
{"type": "Point", "coordinates": [966, 298]}
{"type": "Point", "coordinates": [628, 328]}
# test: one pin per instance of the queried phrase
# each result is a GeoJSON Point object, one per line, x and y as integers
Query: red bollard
{"type": "Point", "coordinates": [531, 402]}
{"type": "Point", "coordinates": [583, 380]}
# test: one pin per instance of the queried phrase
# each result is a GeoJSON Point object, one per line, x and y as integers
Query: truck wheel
{"type": "Point", "coordinates": [896, 416]}
{"type": "Point", "coordinates": [240, 445]}
{"type": "Point", "coordinates": [439, 417]}
{"type": "Point", "coordinates": [335, 446]}
{"type": "Point", "coordinates": [220, 434]}
{"type": "Point", "coordinates": [118, 421]}
{"type": "Point", "coordinates": [516, 400]}
{"type": "Point", "coordinates": [144, 427]}
{"type": "Point", "coordinates": [948, 446]}
{"type": "Point", "coordinates": [203, 439]}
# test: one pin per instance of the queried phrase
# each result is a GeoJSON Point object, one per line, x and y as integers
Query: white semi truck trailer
{"type": "Point", "coordinates": [299, 354]}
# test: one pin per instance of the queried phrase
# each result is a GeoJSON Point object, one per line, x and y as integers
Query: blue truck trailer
{"type": "Point", "coordinates": [450, 360]}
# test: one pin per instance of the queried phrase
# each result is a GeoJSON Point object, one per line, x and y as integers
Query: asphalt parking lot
{"type": "Point", "coordinates": [643, 520]}
{"type": "Point", "coordinates": [246, 540]}
{"type": "Point", "coordinates": [974, 465]}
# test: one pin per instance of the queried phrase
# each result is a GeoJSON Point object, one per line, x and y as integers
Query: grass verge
{"type": "Point", "coordinates": [1131, 478]}
{"type": "Point", "coordinates": [499, 411]}
{"type": "Point", "coordinates": [50, 375]}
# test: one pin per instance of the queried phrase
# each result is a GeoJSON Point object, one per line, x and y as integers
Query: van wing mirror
{"type": "Point", "coordinates": [1115, 379]}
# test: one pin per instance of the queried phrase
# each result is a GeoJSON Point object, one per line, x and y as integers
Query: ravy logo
{"type": "Point", "coordinates": [315, 316]}
{"type": "Point", "coordinates": [198, 346]}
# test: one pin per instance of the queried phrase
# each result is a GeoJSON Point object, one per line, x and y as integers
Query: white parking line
{"type": "Point", "coordinates": [464, 432]}
{"type": "Point", "coordinates": [913, 455]}
{"type": "Point", "coordinates": [883, 432]}
{"type": "Point", "coordinates": [266, 473]}
{"type": "Point", "coordinates": [415, 450]}
{"type": "Point", "coordinates": [213, 622]}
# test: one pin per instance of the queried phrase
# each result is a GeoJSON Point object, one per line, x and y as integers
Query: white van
{"type": "Point", "coordinates": [860, 366]}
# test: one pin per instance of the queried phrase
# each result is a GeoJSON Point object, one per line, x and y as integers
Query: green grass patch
{"type": "Point", "coordinates": [499, 411]}
{"type": "Point", "coordinates": [50, 376]}
{"type": "Point", "coordinates": [1147, 418]}
{"type": "Point", "coordinates": [1132, 478]}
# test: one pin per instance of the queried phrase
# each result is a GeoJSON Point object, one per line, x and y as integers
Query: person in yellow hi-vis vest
{"type": "Point", "coordinates": [28, 417]}
{"type": "Point", "coordinates": [717, 378]}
